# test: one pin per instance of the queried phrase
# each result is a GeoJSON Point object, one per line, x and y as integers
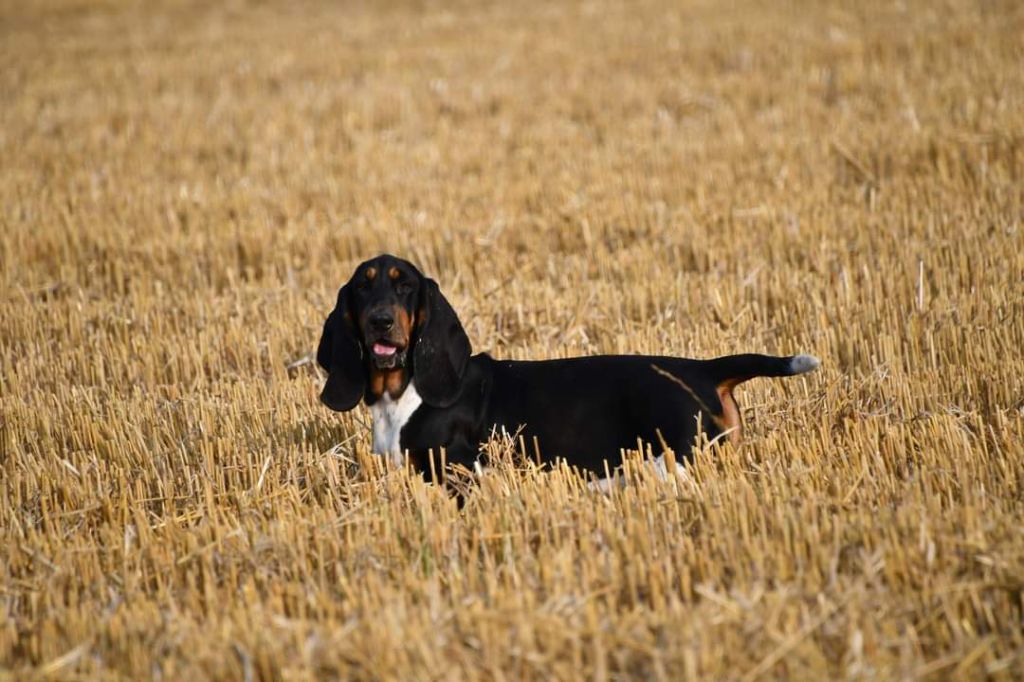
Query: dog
{"type": "Point", "coordinates": [394, 342]}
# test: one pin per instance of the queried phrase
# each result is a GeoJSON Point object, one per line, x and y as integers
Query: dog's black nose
{"type": "Point", "coordinates": [381, 321]}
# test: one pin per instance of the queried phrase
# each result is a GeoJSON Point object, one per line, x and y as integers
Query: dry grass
{"type": "Point", "coordinates": [184, 188]}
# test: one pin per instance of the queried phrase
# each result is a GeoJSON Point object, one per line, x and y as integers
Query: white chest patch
{"type": "Point", "coordinates": [389, 416]}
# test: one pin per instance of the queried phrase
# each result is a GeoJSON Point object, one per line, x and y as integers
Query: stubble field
{"type": "Point", "coordinates": [183, 189]}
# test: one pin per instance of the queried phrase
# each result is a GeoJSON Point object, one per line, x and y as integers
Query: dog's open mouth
{"type": "Point", "coordinates": [383, 349]}
{"type": "Point", "coordinates": [387, 354]}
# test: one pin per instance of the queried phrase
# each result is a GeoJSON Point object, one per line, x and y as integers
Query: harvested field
{"type": "Point", "coordinates": [183, 189]}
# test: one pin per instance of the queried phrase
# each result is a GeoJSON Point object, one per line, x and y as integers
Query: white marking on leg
{"type": "Point", "coordinates": [658, 465]}
{"type": "Point", "coordinates": [389, 416]}
{"type": "Point", "coordinates": [604, 485]}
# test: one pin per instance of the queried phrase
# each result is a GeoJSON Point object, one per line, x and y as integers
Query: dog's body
{"type": "Point", "coordinates": [394, 342]}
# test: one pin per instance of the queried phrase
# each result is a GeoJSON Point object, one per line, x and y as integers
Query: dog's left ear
{"type": "Point", "coordinates": [340, 353]}
{"type": "Point", "coordinates": [442, 348]}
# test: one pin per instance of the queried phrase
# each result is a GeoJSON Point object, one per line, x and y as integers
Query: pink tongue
{"type": "Point", "coordinates": [381, 349]}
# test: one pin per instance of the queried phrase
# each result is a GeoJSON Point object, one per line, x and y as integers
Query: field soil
{"type": "Point", "coordinates": [185, 185]}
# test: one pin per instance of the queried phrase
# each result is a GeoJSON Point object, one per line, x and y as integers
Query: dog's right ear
{"type": "Point", "coordinates": [341, 354]}
{"type": "Point", "coordinates": [442, 349]}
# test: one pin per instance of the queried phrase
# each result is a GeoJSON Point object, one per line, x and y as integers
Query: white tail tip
{"type": "Point", "coordinates": [801, 364]}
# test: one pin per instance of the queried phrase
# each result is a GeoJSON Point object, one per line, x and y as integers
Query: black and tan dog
{"type": "Point", "coordinates": [393, 341]}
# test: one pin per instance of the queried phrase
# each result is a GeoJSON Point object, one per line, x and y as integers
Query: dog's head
{"type": "Point", "coordinates": [391, 325]}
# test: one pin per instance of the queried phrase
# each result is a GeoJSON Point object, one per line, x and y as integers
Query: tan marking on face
{"type": "Point", "coordinates": [405, 323]}
{"type": "Point", "coordinates": [371, 272]}
{"type": "Point", "coordinates": [393, 273]}
{"type": "Point", "coordinates": [730, 418]}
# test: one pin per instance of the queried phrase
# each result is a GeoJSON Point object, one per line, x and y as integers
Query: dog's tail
{"type": "Point", "coordinates": [735, 369]}
{"type": "Point", "coordinates": [723, 374]}
{"type": "Point", "coordinates": [726, 372]}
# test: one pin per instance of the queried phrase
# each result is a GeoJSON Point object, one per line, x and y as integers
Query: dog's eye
{"type": "Point", "coordinates": [403, 287]}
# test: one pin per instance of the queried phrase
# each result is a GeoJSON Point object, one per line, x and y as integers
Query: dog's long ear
{"type": "Point", "coordinates": [442, 348]}
{"type": "Point", "coordinates": [341, 354]}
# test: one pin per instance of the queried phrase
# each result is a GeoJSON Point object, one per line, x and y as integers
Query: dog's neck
{"type": "Point", "coordinates": [391, 381]}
